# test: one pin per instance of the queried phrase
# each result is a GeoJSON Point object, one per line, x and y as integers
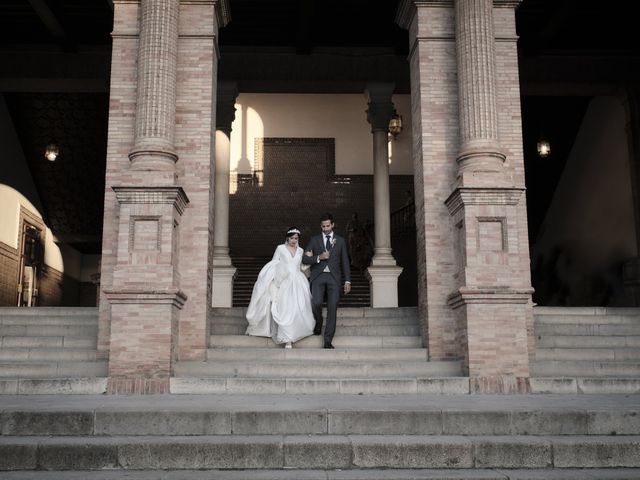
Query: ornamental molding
{"type": "Point", "coordinates": [489, 295]}
{"type": "Point", "coordinates": [482, 196]}
{"type": "Point", "coordinates": [158, 195]}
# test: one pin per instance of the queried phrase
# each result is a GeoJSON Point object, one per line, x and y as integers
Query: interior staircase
{"type": "Point", "coordinates": [248, 269]}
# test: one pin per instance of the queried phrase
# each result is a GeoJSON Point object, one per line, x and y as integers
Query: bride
{"type": "Point", "coordinates": [280, 305]}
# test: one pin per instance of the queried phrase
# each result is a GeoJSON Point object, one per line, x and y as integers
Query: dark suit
{"type": "Point", "coordinates": [327, 282]}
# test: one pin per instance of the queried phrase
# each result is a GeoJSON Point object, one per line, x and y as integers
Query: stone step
{"type": "Point", "coordinates": [313, 419]}
{"type": "Point", "coordinates": [316, 341]}
{"type": "Point", "coordinates": [52, 369]}
{"type": "Point", "coordinates": [342, 313]}
{"type": "Point", "coordinates": [48, 311]}
{"type": "Point", "coordinates": [318, 354]}
{"type": "Point", "coordinates": [317, 451]}
{"type": "Point", "coordinates": [587, 329]}
{"type": "Point", "coordinates": [81, 320]}
{"type": "Point", "coordinates": [585, 385]}
{"type": "Point", "coordinates": [338, 474]}
{"type": "Point", "coordinates": [412, 386]}
{"type": "Point", "coordinates": [340, 322]}
{"type": "Point", "coordinates": [585, 311]}
{"type": "Point", "coordinates": [587, 341]}
{"type": "Point", "coordinates": [351, 301]}
{"type": "Point", "coordinates": [54, 354]}
{"type": "Point", "coordinates": [584, 368]}
{"type": "Point", "coordinates": [320, 386]}
{"type": "Point", "coordinates": [297, 368]}
{"type": "Point", "coordinates": [614, 319]}
{"type": "Point", "coordinates": [587, 354]}
{"type": "Point", "coordinates": [49, 330]}
{"type": "Point", "coordinates": [18, 341]}
{"type": "Point", "coordinates": [364, 330]}
{"type": "Point", "coordinates": [53, 386]}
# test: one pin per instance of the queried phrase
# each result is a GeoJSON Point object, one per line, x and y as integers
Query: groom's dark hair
{"type": "Point", "coordinates": [326, 216]}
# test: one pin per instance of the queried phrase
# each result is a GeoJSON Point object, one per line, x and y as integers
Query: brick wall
{"type": "Point", "coordinates": [9, 261]}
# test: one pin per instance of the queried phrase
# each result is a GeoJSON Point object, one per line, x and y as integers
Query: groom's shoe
{"type": "Point", "coordinates": [317, 331]}
{"type": "Point", "coordinates": [328, 345]}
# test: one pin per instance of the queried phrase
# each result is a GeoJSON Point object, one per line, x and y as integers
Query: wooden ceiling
{"type": "Point", "coordinates": [55, 59]}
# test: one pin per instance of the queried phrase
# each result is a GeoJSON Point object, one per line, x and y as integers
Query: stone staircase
{"type": "Point", "coordinates": [50, 349]}
{"type": "Point", "coordinates": [586, 346]}
{"type": "Point", "coordinates": [323, 427]}
{"type": "Point", "coordinates": [579, 350]}
{"type": "Point", "coordinates": [325, 437]}
{"type": "Point", "coordinates": [248, 269]}
{"type": "Point", "coordinates": [377, 351]}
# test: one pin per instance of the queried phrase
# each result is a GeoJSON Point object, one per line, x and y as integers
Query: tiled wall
{"type": "Point", "coordinates": [296, 185]}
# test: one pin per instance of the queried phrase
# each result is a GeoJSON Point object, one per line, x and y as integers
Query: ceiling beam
{"type": "Point", "coordinates": [52, 22]}
{"type": "Point", "coordinates": [304, 27]}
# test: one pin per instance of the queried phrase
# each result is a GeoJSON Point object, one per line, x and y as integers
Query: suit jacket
{"type": "Point", "coordinates": [338, 261]}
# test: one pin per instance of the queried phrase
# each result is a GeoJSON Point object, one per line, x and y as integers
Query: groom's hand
{"type": "Point", "coordinates": [347, 288]}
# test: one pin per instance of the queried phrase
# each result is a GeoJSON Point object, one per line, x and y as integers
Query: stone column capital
{"type": "Point", "coordinates": [226, 106]}
{"type": "Point", "coordinates": [381, 108]}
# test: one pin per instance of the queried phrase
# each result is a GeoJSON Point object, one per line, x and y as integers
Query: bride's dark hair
{"type": "Point", "coordinates": [292, 231]}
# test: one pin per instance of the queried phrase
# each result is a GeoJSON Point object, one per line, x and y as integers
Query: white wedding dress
{"type": "Point", "coordinates": [280, 305]}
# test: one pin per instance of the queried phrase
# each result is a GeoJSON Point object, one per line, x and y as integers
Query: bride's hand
{"type": "Point", "coordinates": [308, 254]}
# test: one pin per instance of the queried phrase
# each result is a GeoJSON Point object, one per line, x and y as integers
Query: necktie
{"type": "Point", "coordinates": [328, 243]}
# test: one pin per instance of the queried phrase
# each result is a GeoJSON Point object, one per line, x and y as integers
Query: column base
{"type": "Point", "coordinates": [383, 281]}
{"type": "Point", "coordinates": [493, 337]}
{"type": "Point", "coordinates": [138, 386]}
{"type": "Point", "coordinates": [222, 285]}
{"type": "Point", "coordinates": [499, 384]}
{"type": "Point", "coordinates": [144, 333]}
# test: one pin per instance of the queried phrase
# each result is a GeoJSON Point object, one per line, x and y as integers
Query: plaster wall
{"type": "Point", "coordinates": [342, 117]}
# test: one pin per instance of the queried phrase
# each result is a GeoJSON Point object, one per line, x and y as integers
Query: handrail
{"type": "Point", "coordinates": [403, 220]}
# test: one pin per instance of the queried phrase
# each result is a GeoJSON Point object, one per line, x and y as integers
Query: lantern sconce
{"type": "Point", "coordinates": [544, 148]}
{"type": "Point", "coordinates": [395, 125]}
{"type": "Point", "coordinates": [52, 151]}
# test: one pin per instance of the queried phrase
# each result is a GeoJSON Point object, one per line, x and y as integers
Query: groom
{"type": "Point", "coordinates": [327, 255]}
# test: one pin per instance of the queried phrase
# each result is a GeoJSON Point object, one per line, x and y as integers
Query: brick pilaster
{"type": "Point", "coordinates": [156, 251]}
{"type": "Point", "coordinates": [470, 210]}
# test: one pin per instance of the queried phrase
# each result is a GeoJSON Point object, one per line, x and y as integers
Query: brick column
{"type": "Point", "coordinates": [156, 256]}
{"type": "Point", "coordinates": [383, 272]}
{"type": "Point", "coordinates": [145, 293]}
{"type": "Point", "coordinates": [470, 211]}
{"type": "Point", "coordinates": [154, 148]}
{"type": "Point", "coordinates": [223, 271]}
{"type": "Point", "coordinates": [493, 300]}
